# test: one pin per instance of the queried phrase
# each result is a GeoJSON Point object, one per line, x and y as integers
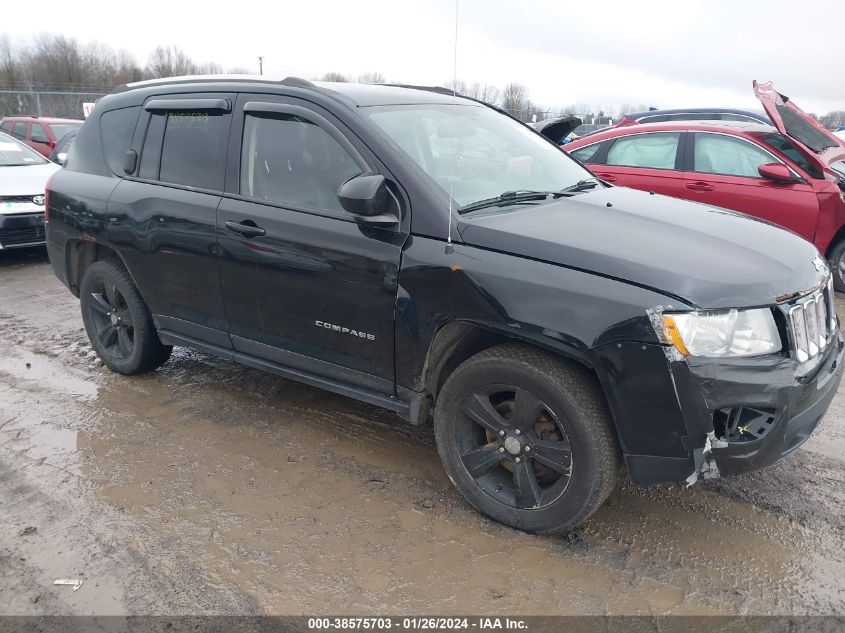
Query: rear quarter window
{"type": "Point", "coordinates": [116, 129]}
{"type": "Point", "coordinates": [586, 154]}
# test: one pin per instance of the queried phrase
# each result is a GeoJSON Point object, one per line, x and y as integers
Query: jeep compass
{"type": "Point", "coordinates": [429, 254]}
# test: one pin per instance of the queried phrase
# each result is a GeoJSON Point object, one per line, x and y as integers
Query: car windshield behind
{"type": "Point", "coordinates": [14, 153]}
{"type": "Point", "coordinates": [782, 144]}
{"type": "Point", "coordinates": [60, 129]}
{"type": "Point", "coordinates": [476, 153]}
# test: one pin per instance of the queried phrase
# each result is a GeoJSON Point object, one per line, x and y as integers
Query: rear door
{"type": "Point", "coordinates": [21, 131]}
{"type": "Point", "coordinates": [649, 161]}
{"type": "Point", "coordinates": [304, 285]}
{"type": "Point", "coordinates": [162, 216]}
{"type": "Point", "coordinates": [722, 171]}
{"type": "Point", "coordinates": [38, 139]}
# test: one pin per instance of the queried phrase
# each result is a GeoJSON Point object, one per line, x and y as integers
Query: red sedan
{"type": "Point", "coordinates": [792, 174]}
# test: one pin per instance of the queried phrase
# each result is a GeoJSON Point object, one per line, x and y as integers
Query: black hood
{"type": "Point", "coordinates": [708, 257]}
{"type": "Point", "coordinates": [557, 129]}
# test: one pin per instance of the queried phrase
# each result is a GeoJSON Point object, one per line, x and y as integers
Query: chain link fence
{"type": "Point", "coordinates": [48, 103]}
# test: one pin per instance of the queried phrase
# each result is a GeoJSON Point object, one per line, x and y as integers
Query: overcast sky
{"type": "Point", "coordinates": [666, 53]}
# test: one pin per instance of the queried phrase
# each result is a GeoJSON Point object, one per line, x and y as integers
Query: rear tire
{"type": "Point", "coordinates": [118, 322]}
{"type": "Point", "coordinates": [527, 438]}
{"type": "Point", "coordinates": [836, 261]}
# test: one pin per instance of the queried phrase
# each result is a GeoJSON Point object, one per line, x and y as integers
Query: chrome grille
{"type": "Point", "coordinates": [811, 322]}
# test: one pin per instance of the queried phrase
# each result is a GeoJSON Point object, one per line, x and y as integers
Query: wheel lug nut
{"type": "Point", "coordinates": [527, 449]}
{"type": "Point", "coordinates": [517, 459]}
{"type": "Point", "coordinates": [501, 449]}
{"type": "Point", "coordinates": [517, 432]}
{"type": "Point", "coordinates": [501, 432]}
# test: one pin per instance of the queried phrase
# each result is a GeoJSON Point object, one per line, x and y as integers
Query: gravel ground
{"type": "Point", "coordinates": [210, 488]}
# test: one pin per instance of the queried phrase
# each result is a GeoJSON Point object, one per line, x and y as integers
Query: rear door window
{"type": "Point", "coordinates": [117, 127]}
{"type": "Point", "coordinates": [587, 154]}
{"type": "Point", "coordinates": [653, 151]}
{"type": "Point", "coordinates": [193, 149]}
{"type": "Point", "coordinates": [37, 134]}
{"type": "Point", "coordinates": [19, 131]}
{"type": "Point", "coordinates": [7, 126]}
{"type": "Point", "coordinates": [729, 156]}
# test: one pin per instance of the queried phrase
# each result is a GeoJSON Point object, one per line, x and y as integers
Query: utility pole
{"type": "Point", "coordinates": [260, 64]}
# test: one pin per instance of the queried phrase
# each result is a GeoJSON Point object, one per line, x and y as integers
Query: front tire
{"type": "Point", "coordinates": [118, 322]}
{"type": "Point", "coordinates": [527, 439]}
{"type": "Point", "coordinates": [836, 261]}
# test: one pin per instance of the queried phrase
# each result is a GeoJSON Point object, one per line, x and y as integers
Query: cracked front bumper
{"type": "Point", "coordinates": [665, 411]}
{"type": "Point", "coordinates": [754, 411]}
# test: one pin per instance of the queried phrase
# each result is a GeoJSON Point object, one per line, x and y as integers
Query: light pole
{"type": "Point", "coordinates": [260, 64]}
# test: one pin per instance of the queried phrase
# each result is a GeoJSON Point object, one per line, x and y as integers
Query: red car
{"type": "Point", "coordinates": [792, 174]}
{"type": "Point", "coordinates": [41, 133]}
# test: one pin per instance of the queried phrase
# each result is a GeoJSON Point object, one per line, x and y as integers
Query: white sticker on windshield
{"type": "Point", "coordinates": [9, 147]}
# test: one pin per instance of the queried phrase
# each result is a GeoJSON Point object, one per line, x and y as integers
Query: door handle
{"type": "Point", "coordinates": [607, 177]}
{"type": "Point", "coordinates": [700, 186]}
{"type": "Point", "coordinates": [247, 228]}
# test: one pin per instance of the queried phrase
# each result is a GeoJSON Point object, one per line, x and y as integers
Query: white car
{"type": "Point", "coordinates": [23, 176]}
{"type": "Point", "coordinates": [840, 134]}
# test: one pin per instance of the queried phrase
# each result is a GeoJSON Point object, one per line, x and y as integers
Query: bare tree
{"type": "Point", "coordinates": [831, 120]}
{"type": "Point", "coordinates": [515, 98]}
{"type": "Point", "coordinates": [334, 76]}
{"type": "Point", "coordinates": [170, 61]}
{"type": "Point", "coordinates": [484, 92]}
{"type": "Point", "coordinates": [457, 85]}
{"type": "Point", "coordinates": [10, 71]}
{"type": "Point", "coordinates": [371, 78]}
{"type": "Point", "coordinates": [210, 68]}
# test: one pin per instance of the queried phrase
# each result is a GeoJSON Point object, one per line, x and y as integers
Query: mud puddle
{"type": "Point", "coordinates": [207, 487]}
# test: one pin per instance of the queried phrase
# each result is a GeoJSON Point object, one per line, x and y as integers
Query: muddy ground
{"type": "Point", "coordinates": [207, 487]}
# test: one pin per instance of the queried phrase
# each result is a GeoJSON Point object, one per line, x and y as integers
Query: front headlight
{"type": "Point", "coordinates": [725, 333]}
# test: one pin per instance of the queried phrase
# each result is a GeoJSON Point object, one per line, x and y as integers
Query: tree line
{"type": "Point", "coordinates": [58, 63]}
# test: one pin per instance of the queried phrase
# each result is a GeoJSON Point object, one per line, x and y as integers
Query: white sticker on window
{"type": "Point", "coordinates": [9, 147]}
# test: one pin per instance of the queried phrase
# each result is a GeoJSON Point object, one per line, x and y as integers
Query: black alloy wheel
{"type": "Point", "coordinates": [514, 447]}
{"type": "Point", "coordinates": [112, 320]}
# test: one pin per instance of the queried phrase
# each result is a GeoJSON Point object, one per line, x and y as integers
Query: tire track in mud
{"type": "Point", "coordinates": [207, 487]}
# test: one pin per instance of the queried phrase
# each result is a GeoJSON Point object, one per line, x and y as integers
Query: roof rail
{"type": "Point", "coordinates": [296, 82]}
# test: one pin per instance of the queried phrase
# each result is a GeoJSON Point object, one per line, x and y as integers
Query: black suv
{"type": "Point", "coordinates": [429, 254]}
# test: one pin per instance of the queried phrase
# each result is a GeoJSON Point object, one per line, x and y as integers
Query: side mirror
{"type": "Point", "coordinates": [130, 161]}
{"type": "Point", "coordinates": [775, 171]}
{"type": "Point", "coordinates": [61, 158]}
{"type": "Point", "coordinates": [367, 198]}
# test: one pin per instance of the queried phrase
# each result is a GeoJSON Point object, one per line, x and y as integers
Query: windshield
{"type": "Point", "coordinates": [782, 144]}
{"type": "Point", "coordinates": [60, 129]}
{"type": "Point", "coordinates": [474, 152]}
{"type": "Point", "coordinates": [14, 153]}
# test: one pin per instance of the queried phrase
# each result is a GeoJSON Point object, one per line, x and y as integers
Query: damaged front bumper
{"type": "Point", "coordinates": [743, 414]}
{"type": "Point", "coordinates": [688, 418]}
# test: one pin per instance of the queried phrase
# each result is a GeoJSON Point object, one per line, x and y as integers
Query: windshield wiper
{"type": "Point", "coordinates": [582, 185]}
{"type": "Point", "coordinates": [508, 197]}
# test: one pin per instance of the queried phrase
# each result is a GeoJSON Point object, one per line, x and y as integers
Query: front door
{"type": "Point", "coordinates": [304, 285]}
{"type": "Point", "coordinates": [723, 173]}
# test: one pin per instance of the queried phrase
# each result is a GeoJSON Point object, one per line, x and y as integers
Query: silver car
{"type": "Point", "coordinates": [23, 176]}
